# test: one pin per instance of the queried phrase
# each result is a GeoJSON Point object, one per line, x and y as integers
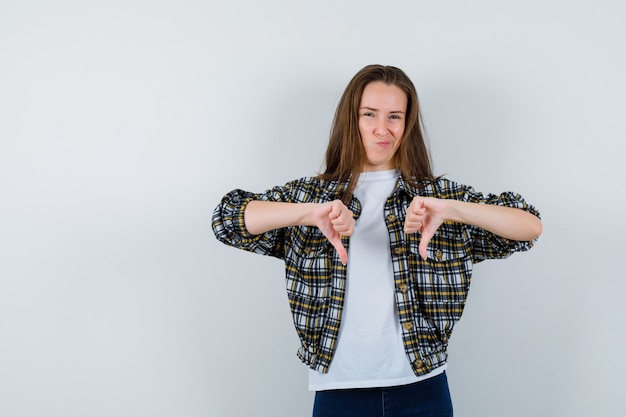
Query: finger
{"type": "Point", "coordinates": [336, 208]}
{"type": "Point", "coordinates": [350, 227]}
{"type": "Point", "coordinates": [412, 227]}
{"type": "Point", "coordinates": [343, 225]}
{"type": "Point", "coordinates": [341, 250]}
{"type": "Point", "coordinates": [426, 236]}
{"type": "Point", "coordinates": [343, 256]}
{"type": "Point", "coordinates": [417, 206]}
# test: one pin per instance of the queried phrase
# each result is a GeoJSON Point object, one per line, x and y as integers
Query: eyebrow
{"type": "Point", "coordinates": [373, 109]}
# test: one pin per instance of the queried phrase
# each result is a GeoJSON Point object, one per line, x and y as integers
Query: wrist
{"type": "Point", "coordinates": [454, 211]}
{"type": "Point", "coordinates": [307, 214]}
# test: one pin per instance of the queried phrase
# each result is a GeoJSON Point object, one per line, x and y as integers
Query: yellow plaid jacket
{"type": "Point", "coordinates": [430, 294]}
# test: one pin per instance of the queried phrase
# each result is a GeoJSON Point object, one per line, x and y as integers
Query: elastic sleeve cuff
{"type": "Point", "coordinates": [228, 218]}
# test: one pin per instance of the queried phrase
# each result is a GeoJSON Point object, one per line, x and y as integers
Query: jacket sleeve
{"type": "Point", "coordinates": [486, 245]}
{"type": "Point", "coordinates": [229, 226]}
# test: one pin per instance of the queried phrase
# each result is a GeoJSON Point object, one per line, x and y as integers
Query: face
{"type": "Point", "coordinates": [382, 116]}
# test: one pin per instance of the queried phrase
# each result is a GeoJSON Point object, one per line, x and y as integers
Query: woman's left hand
{"type": "Point", "coordinates": [425, 215]}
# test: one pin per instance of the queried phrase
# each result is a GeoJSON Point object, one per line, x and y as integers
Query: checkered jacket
{"type": "Point", "coordinates": [430, 294]}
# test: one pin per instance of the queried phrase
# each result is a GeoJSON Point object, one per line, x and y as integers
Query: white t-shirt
{"type": "Point", "coordinates": [369, 351]}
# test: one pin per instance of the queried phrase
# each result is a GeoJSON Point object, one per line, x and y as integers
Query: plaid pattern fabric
{"type": "Point", "coordinates": [430, 294]}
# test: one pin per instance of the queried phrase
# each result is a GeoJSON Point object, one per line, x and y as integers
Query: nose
{"type": "Point", "coordinates": [381, 129]}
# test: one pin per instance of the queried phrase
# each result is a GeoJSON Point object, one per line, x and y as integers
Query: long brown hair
{"type": "Point", "coordinates": [345, 155]}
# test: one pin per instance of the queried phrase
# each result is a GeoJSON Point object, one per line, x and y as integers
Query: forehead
{"type": "Point", "coordinates": [378, 95]}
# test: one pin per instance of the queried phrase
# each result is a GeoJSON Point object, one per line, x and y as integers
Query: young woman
{"type": "Point", "coordinates": [378, 253]}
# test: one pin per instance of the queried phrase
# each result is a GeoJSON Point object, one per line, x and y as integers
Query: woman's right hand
{"type": "Point", "coordinates": [335, 220]}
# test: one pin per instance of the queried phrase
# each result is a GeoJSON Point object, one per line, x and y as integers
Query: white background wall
{"type": "Point", "coordinates": [122, 123]}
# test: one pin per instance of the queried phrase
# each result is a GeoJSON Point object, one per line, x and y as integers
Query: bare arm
{"type": "Point", "coordinates": [261, 216]}
{"type": "Point", "coordinates": [334, 219]}
{"type": "Point", "coordinates": [427, 214]}
{"type": "Point", "coordinates": [507, 222]}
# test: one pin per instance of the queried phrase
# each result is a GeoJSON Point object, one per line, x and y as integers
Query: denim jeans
{"type": "Point", "coordinates": [428, 398]}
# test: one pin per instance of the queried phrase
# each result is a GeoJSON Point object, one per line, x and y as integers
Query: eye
{"type": "Point", "coordinates": [367, 114]}
{"type": "Point", "coordinates": [395, 117]}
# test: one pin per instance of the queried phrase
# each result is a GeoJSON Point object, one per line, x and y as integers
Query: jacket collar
{"type": "Point", "coordinates": [335, 189]}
